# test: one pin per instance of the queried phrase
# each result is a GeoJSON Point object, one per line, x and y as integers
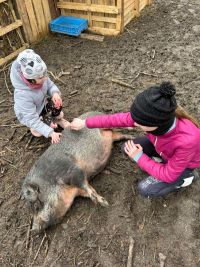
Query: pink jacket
{"type": "Point", "coordinates": [179, 148]}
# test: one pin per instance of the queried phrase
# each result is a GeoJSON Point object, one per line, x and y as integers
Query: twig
{"type": "Point", "coordinates": [130, 253]}
{"type": "Point", "coordinates": [22, 137]}
{"type": "Point", "coordinates": [56, 259]}
{"type": "Point", "coordinates": [12, 125]}
{"type": "Point", "coordinates": [5, 235]}
{"type": "Point", "coordinates": [73, 92]}
{"type": "Point", "coordinates": [39, 248]}
{"type": "Point", "coordinates": [148, 74]}
{"type": "Point", "coordinates": [122, 83]}
{"type": "Point", "coordinates": [56, 77]}
{"type": "Point", "coordinates": [162, 259]}
{"type": "Point", "coordinates": [129, 31]}
{"type": "Point", "coordinates": [11, 137]}
{"type": "Point", "coordinates": [7, 160]}
{"type": "Point", "coordinates": [28, 235]}
{"type": "Point", "coordinates": [38, 146]}
{"type": "Point", "coordinates": [60, 74]}
{"type": "Point", "coordinates": [136, 76]}
{"type": "Point", "coordinates": [6, 83]}
{"type": "Point", "coordinates": [29, 141]}
{"type": "Point", "coordinates": [111, 238]}
{"type": "Point", "coordinates": [153, 56]}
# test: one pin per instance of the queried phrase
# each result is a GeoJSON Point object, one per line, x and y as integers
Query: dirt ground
{"type": "Point", "coordinates": [162, 44]}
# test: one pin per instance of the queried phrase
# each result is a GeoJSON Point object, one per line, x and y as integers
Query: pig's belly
{"type": "Point", "coordinates": [91, 150]}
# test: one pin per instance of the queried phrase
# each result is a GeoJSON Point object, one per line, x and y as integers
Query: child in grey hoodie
{"type": "Point", "coordinates": [38, 103]}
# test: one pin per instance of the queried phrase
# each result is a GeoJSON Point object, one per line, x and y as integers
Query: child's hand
{"type": "Point", "coordinates": [57, 100]}
{"type": "Point", "coordinates": [77, 124]}
{"type": "Point", "coordinates": [53, 125]}
{"type": "Point", "coordinates": [55, 137]}
{"type": "Point", "coordinates": [132, 149]}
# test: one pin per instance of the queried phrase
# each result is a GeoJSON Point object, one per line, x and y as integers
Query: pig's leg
{"type": "Point", "coordinates": [90, 192]}
{"type": "Point", "coordinates": [117, 136]}
{"type": "Point", "coordinates": [55, 208]}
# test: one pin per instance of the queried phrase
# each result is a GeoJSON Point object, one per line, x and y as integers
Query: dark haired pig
{"type": "Point", "coordinates": [64, 171]}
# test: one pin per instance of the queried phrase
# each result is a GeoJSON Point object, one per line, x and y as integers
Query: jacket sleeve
{"type": "Point", "coordinates": [170, 171]}
{"type": "Point", "coordinates": [116, 120]}
{"type": "Point", "coordinates": [28, 116]}
{"type": "Point", "coordinates": [52, 88]}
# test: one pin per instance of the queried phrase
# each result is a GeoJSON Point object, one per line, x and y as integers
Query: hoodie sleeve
{"type": "Point", "coordinates": [52, 88]}
{"type": "Point", "coordinates": [170, 171]}
{"type": "Point", "coordinates": [117, 120]}
{"type": "Point", "coordinates": [27, 115]}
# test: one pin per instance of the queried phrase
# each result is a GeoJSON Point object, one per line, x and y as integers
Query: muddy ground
{"type": "Point", "coordinates": [162, 44]}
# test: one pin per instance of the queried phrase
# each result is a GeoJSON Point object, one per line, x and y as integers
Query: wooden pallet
{"type": "Point", "coordinates": [35, 16]}
{"type": "Point", "coordinates": [11, 39]}
{"type": "Point", "coordinates": [106, 17]}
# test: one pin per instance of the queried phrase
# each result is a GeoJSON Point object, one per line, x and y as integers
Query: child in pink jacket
{"type": "Point", "coordinates": [169, 152]}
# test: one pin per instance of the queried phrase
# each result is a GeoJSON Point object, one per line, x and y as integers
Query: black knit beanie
{"type": "Point", "coordinates": [155, 106]}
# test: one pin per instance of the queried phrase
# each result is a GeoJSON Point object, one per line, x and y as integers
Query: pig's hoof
{"type": "Point", "coordinates": [103, 202]}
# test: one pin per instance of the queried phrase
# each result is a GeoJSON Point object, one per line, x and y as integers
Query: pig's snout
{"type": "Point", "coordinates": [38, 224]}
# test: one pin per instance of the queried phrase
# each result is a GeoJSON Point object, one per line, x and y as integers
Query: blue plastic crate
{"type": "Point", "coordinates": [69, 25]}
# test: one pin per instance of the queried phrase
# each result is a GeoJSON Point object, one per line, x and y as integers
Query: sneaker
{"type": "Point", "coordinates": [189, 180]}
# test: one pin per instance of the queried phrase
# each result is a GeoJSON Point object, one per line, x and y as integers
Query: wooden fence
{"type": "Point", "coordinates": [107, 17]}
{"type": "Point", "coordinates": [11, 39]}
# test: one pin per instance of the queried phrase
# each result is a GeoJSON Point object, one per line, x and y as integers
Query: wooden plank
{"type": "Point", "coordinates": [136, 8]}
{"type": "Point", "coordinates": [10, 27]}
{"type": "Point", "coordinates": [128, 17]}
{"type": "Point", "coordinates": [55, 12]}
{"type": "Point", "coordinates": [93, 37]}
{"type": "Point", "coordinates": [92, 8]}
{"type": "Point", "coordinates": [32, 18]}
{"type": "Point", "coordinates": [18, 30]}
{"type": "Point", "coordinates": [39, 14]}
{"type": "Point", "coordinates": [12, 55]}
{"type": "Point", "coordinates": [120, 16]}
{"type": "Point", "coordinates": [128, 3]}
{"type": "Point", "coordinates": [25, 20]}
{"type": "Point", "coordinates": [103, 31]}
{"type": "Point", "coordinates": [47, 13]}
{"type": "Point", "coordinates": [89, 12]}
{"type": "Point", "coordinates": [104, 19]}
{"type": "Point", "coordinates": [129, 10]}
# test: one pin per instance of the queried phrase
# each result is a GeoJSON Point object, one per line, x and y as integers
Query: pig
{"type": "Point", "coordinates": [64, 171]}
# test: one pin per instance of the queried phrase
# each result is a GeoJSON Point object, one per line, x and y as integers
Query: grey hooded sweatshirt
{"type": "Point", "coordinates": [30, 102]}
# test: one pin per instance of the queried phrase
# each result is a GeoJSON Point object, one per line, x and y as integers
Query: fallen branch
{"type": "Point", "coordinates": [122, 83]}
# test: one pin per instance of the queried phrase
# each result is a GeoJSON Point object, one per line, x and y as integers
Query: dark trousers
{"type": "Point", "coordinates": [152, 187]}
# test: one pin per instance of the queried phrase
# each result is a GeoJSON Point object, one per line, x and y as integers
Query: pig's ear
{"type": "Point", "coordinates": [30, 192]}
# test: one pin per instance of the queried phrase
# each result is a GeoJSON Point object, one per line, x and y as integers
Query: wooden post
{"type": "Point", "coordinates": [120, 16]}
{"type": "Point", "coordinates": [137, 8]}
